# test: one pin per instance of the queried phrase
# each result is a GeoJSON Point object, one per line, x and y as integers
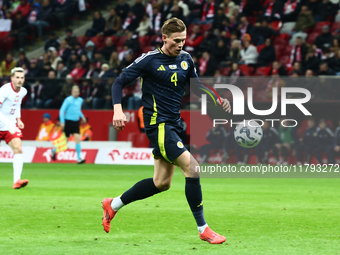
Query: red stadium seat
{"type": "Point", "coordinates": [246, 70]}
{"type": "Point", "coordinates": [262, 71]}
{"type": "Point", "coordinates": [82, 40]}
{"type": "Point", "coordinates": [335, 27]}
{"type": "Point", "coordinates": [206, 27]}
{"type": "Point", "coordinates": [288, 50]}
{"type": "Point", "coordinates": [225, 71]}
{"type": "Point", "coordinates": [278, 51]}
{"type": "Point", "coordinates": [311, 38]}
{"type": "Point", "coordinates": [144, 41]}
{"type": "Point", "coordinates": [319, 25]}
{"type": "Point", "coordinates": [260, 47]}
{"type": "Point", "coordinates": [99, 41]}
{"type": "Point", "coordinates": [284, 60]}
{"type": "Point", "coordinates": [121, 42]}
{"type": "Point", "coordinates": [276, 25]}
{"type": "Point", "coordinates": [2, 34]}
{"type": "Point", "coordinates": [280, 41]}
{"type": "Point", "coordinates": [114, 39]}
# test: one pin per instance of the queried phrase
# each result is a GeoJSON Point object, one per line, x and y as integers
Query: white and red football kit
{"type": "Point", "coordinates": [10, 107]}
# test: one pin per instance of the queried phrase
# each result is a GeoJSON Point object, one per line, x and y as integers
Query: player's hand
{"type": "Point", "coordinates": [83, 119]}
{"type": "Point", "coordinates": [119, 120]}
{"type": "Point", "coordinates": [225, 104]}
{"type": "Point", "coordinates": [337, 148]}
{"type": "Point", "coordinates": [21, 125]}
{"type": "Point", "coordinates": [62, 125]}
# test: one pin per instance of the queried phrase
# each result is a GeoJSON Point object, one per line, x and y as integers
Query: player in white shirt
{"type": "Point", "coordinates": [11, 95]}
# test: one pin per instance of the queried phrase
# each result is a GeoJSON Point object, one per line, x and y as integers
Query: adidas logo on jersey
{"type": "Point", "coordinates": [161, 68]}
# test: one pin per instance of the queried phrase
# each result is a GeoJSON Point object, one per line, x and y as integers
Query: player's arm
{"type": "Point", "coordinates": [3, 119]}
{"type": "Point", "coordinates": [130, 73]}
{"type": "Point", "coordinates": [62, 112]}
{"type": "Point", "coordinates": [199, 88]}
{"type": "Point", "coordinates": [18, 117]}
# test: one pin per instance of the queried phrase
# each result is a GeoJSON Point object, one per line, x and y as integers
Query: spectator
{"type": "Point", "coordinates": [71, 39]}
{"type": "Point", "coordinates": [297, 69]}
{"type": "Point", "coordinates": [114, 61]}
{"type": "Point", "coordinates": [98, 25]}
{"type": "Point", "coordinates": [325, 140]}
{"type": "Point", "coordinates": [305, 20]}
{"type": "Point", "coordinates": [325, 70]}
{"type": "Point", "coordinates": [208, 65]}
{"type": "Point", "coordinates": [46, 13]}
{"type": "Point", "coordinates": [66, 87]}
{"type": "Point", "coordinates": [291, 11]}
{"type": "Point", "coordinates": [138, 10]}
{"type": "Point", "coordinates": [90, 48]}
{"type": "Point", "coordinates": [194, 40]}
{"type": "Point", "coordinates": [61, 71]}
{"type": "Point", "coordinates": [208, 12]}
{"type": "Point", "coordinates": [274, 82]}
{"type": "Point", "coordinates": [272, 11]}
{"type": "Point", "coordinates": [64, 51]}
{"type": "Point", "coordinates": [234, 73]}
{"type": "Point", "coordinates": [132, 42]}
{"type": "Point", "coordinates": [299, 51]}
{"type": "Point", "coordinates": [233, 25]}
{"type": "Point", "coordinates": [176, 11]}
{"type": "Point", "coordinates": [33, 70]}
{"type": "Point", "coordinates": [127, 60]}
{"type": "Point", "coordinates": [220, 52]}
{"type": "Point", "coordinates": [130, 23]}
{"type": "Point", "coordinates": [263, 32]}
{"type": "Point", "coordinates": [249, 54]}
{"type": "Point", "coordinates": [336, 142]}
{"type": "Point", "coordinates": [277, 66]}
{"type": "Point", "coordinates": [144, 25]}
{"type": "Point", "coordinates": [55, 59]}
{"type": "Point", "coordinates": [92, 72]}
{"type": "Point", "coordinates": [245, 27]}
{"type": "Point", "coordinates": [34, 20]}
{"type": "Point", "coordinates": [63, 11]}
{"type": "Point", "coordinates": [287, 142]}
{"type": "Point", "coordinates": [328, 57]}
{"type": "Point", "coordinates": [24, 8]}
{"type": "Point", "coordinates": [156, 20]}
{"type": "Point", "coordinates": [108, 49]}
{"type": "Point", "coordinates": [7, 65]}
{"type": "Point", "coordinates": [270, 142]}
{"type": "Point", "coordinates": [97, 94]}
{"type": "Point", "coordinates": [267, 54]}
{"type": "Point", "coordinates": [122, 9]}
{"type": "Point", "coordinates": [84, 61]}
{"type": "Point", "coordinates": [220, 20]}
{"type": "Point", "coordinates": [85, 93]}
{"type": "Point", "coordinates": [134, 102]}
{"type": "Point", "coordinates": [327, 9]}
{"type": "Point", "coordinates": [35, 93]}
{"type": "Point", "coordinates": [71, 63]}
{"type": "Point", "coordinates": [53, 41]}
{"type": "Point", "coordinates": [106, 72]}
{"type": "Point", "coordinates": [51, 88]}
{"type": "Point", "coordinates": [99, 59]}
{"type": "Point", "coordinates": [324, 40]}
{"type": "Point", "coordinates": [165, 10]}
{"type": "Point", "coordinates": [311, 84]}
{"type": "Point", "coordinates": [20, 29]}
{"type": "Point", "coordinates": [335, 45]}
{"type": "Point", "coordinates": [23, 60]}
{"type": "Point", "coordinates": [307, 143]}
{"type": "Point", "coordinates": [235, 52]}
{"type": "Point", "coordinates": [312, 61]}
{"type": "Point", "coordinates": [45, 70]}
{"type": "Point", "coordinates": [314, 6]}
{"type": "Point", "coordinates": [45, 128]}
{"type": "Point", "coordinates": [78, 72]}
{"type": "Point", "coordinates": [113, 23]}
{"type": "Point", "coordinates": [227, 7]}
{"type": "Point", "coordinates": [216, 138]}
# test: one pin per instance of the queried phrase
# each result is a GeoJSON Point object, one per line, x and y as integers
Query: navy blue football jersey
{"type": "Point", "coordinates": [163, 83]}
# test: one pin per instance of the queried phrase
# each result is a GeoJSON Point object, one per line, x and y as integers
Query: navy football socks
{"type": "Point", "coordinates": [193, 193]}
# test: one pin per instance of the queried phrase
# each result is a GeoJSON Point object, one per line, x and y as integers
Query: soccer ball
{"type": "Point", "coordinates": [250, 135]}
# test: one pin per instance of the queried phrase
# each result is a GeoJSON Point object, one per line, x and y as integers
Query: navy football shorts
{"type": "Point", "coordinates": [165, 137]}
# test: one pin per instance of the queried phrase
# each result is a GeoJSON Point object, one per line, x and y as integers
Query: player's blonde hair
{"type": "Point", "coordinates": [75, 86]}
{"type": "Point", "coordinates": [173, 25]}
{"type": "Point", "coordinates": [17, 69]}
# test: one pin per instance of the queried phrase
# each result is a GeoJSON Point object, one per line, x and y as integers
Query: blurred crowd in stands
{"type": "Point", "coordinates": [289, 145]}
{"type": "Point", "coordinates": [266, 38]}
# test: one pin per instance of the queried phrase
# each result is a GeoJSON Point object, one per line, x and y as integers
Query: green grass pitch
{"type": "Point", "coordinates": [59, 212]}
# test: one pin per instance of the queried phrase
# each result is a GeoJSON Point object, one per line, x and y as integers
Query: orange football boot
{"type": "Point", "coordinates": [20, 184]}
{"type": "Point", "coordinates": [212, 237]}
{"type": "Point", "coordinates": [108, 214]}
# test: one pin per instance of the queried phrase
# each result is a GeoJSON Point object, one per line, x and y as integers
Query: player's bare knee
{"type": "Point", "coordinates": [17, 150]}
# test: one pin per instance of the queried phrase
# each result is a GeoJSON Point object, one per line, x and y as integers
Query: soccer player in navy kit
{"type": "Point", "coordinates": [164, 72]}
